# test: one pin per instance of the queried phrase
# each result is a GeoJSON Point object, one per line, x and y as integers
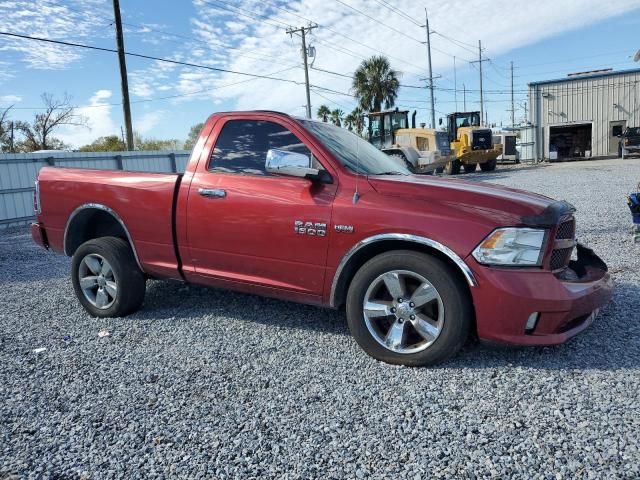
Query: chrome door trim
{"type": "Point", "coordinates": [464, 268]}
{"type": "Point", "coordinates": [104, 208]}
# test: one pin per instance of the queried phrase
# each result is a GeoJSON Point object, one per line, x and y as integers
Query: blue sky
{"type": "Point", "coordinates": [545, 39]}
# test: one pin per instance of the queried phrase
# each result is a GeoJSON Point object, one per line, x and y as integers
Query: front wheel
{"type": "Point", "coordinates": [106, 278]}
{"type": "Point", "coordinates": [408, 308]}
{"type": "Point", "coordinates": [488, 166]}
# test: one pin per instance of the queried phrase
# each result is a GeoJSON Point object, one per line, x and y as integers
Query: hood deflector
{"type": "Point", "coordinates": [550, 216]}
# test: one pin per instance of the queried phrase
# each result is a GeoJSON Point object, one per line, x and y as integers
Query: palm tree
{"type": "Point", "coordinates": [336, 117]}
{"type": "Point", "coordinates": [358, 115]}
{"type": "Point", "coordinates": [375, 83]}
{"type": "Point", "coordinates": [350, 121]}
{"type": "Point", "coordinates": [323, 113]}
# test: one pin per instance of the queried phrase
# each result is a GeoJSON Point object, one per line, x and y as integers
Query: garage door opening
{"type": "Point", "coordinates": [570, 142]}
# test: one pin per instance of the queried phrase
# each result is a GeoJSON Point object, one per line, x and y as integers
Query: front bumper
{"type": "Point", "coordinates": [506, 298]}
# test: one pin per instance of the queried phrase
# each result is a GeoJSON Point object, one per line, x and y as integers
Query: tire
{"type": "Point", "coordinates": [106, 278]}
{"type": "Point", "coordinates": [470, 168]}
{"type": "Point", "coordinates": [453, 167]}
{"type": "Point", "coordinates": [619, 150]}
{"type": "Point", "coordinates": [402, 160]}
{"type": "Point", "coordinates": [488, 166]}
{"type": "Point", "coordinates": [378, 328]}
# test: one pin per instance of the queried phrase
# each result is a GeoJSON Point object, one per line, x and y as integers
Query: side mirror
{"type": "Point", "coordinates": [440, 121]}
{"type": "Point", "coordinates": [284, 162]}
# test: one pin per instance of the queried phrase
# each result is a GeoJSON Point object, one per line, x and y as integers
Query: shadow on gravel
{"type": "Point", "coordinates": [171, 299]}
{"type": "Point", "coordinates": [611, 343]}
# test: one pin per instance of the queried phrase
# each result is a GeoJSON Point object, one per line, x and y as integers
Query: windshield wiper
{"type": "Point", "coordinates": [391, 173]}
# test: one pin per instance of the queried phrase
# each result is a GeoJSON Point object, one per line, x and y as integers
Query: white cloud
{"type": "Point", "coordinates": [6, 100]}
{"type": "Point", "coordinates": [147, 122]}
{"type": "Point", "coordinates": [99, 121]}
{"type": "Point", "coordinates": [503, 25]}
{"type": "Point", "coordinates": [56, 21]}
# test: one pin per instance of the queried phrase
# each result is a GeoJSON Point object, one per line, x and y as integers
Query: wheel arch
{"type": "Point", "coordinates": [94, 220]}
{"type": "Point", "coordinates": [369, 247]}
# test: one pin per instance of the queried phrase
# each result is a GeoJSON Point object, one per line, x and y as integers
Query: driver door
{"type": "Point", "coordinates": [247, 231]}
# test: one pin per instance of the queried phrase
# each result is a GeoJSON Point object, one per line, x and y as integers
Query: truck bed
{"type": "Point", "coordinates": [144, 202]}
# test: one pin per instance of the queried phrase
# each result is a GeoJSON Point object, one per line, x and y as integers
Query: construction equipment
{"type": "Point", "coordinates": [422, 150]}
{"type": "Point", "coordinates": [471, 144]}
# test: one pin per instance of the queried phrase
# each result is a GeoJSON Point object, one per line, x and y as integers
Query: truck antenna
{"type": "Point", "coordinates": [356, 194]}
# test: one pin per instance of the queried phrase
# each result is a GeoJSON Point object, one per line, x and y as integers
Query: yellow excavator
{"type": "Point", "coordinates": [471, 144]}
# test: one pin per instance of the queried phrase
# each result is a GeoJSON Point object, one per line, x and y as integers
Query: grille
{"type": "Point", "coordinates": [482, 139]}
{"type": "Point", "coordinates": [560, 258]}
{"type": "Point", "coordinates": [566, 230]}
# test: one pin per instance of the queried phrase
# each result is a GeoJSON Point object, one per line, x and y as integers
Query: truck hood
{"type": "Point", "coordinates": [501, 205]}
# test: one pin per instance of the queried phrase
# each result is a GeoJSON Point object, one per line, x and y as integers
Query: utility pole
{"type": "Point", "coordinates": [124, 83]}
{"type": "Point", "coordinates": [513, 108]}
{"type": "Point", "coordinates": [303, 31]}
{"type": "Point", "coordinates": [455, 84]}
{"type": "Point", "coordinates": [524, 105]}
{"type": "Point", "coordinates": [433, 107]}
{"type": "Point", "coordinates": [481, 97]}
{"type": "Point", "coordinates": [464, 97]}
{"type": "Point", "coordinates": [479, 62]}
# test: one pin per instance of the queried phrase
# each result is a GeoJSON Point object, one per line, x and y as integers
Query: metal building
{"type": "Point", "coordinates": [581, 116]}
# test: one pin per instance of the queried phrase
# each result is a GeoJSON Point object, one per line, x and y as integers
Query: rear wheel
{"type": "Point", "coordinates": [453, 167]}
{"type": "Point", "coordinates": [488, 166]}
{"type": "Point", "coordinates": [106, 278]}
{"type": "Point", "coordinates": [408, 308]}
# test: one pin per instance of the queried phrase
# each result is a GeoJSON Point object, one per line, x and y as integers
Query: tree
{"type": "Point", "coordinates": [5, 131]}
{"type": "Point", "coordinates": [192, 138]}
{"type": "Point", "coordinates": [323, 113]}
{"type": "Point", "coordinates": [336, 117]}
{"type": "Point", "coordinates": [375, 83]}
{"type": "Point", "coordinates": [349, 121]}
{"type": "Point", "coordinates": [358, 115]}
{"type": "Point", "coordinates": [110, 143]}
{"type": "Point", "coordinates": [38, 133]}
{"type": "Point", "coordinates": [148, 144]}
{"type": "Point", "coordinates": [355, 120]}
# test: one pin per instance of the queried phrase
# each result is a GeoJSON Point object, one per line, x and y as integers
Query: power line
{"type": "Point", "coordinates": [378, 21]}
{"type": "Point", "coordinates": [166, 97]}
{"type": "Point", "coordinates": [398, 12]}
{"type": "Point", "coordinates": [251, 14]}
{"type": "Point", "coordinates": [148, 57]}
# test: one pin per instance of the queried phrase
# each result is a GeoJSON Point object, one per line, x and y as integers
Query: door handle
{"type": "Point", "coordinates": [212, 192]}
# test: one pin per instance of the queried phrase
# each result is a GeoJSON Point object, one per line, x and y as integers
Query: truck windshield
{"type": "Point", "coordinates": [632, 131]}
{"type": "Point", "coordinates": [353, 152]}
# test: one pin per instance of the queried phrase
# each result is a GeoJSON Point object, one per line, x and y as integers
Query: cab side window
{"type": "Point", "coordinates": [242, 146]}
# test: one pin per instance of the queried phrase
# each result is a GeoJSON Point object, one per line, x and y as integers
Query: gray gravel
{"type": "Point", "coordinates": [208, 384]}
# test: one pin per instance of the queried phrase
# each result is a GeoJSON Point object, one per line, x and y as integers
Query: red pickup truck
{"type": "Point", "coordinates": [306, 211]}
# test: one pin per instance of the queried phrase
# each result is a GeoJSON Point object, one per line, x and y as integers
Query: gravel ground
{"type": "Point", "coordinates": [209, 384]}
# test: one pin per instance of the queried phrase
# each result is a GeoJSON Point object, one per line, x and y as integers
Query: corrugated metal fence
{"type": "Point", "coordinates": [18, 173]}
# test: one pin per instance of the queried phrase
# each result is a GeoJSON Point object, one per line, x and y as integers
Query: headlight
{"type": "Point", "coordinates": [512, 247]}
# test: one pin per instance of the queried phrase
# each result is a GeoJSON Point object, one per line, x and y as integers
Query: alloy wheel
{"type": "Point", "coordinates": [97, 281]}
{"type": "Point", "coordinates": [403, 311]}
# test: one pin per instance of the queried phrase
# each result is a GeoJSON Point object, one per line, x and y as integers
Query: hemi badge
{"type": "Point", "coordinates": [343, 228]}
